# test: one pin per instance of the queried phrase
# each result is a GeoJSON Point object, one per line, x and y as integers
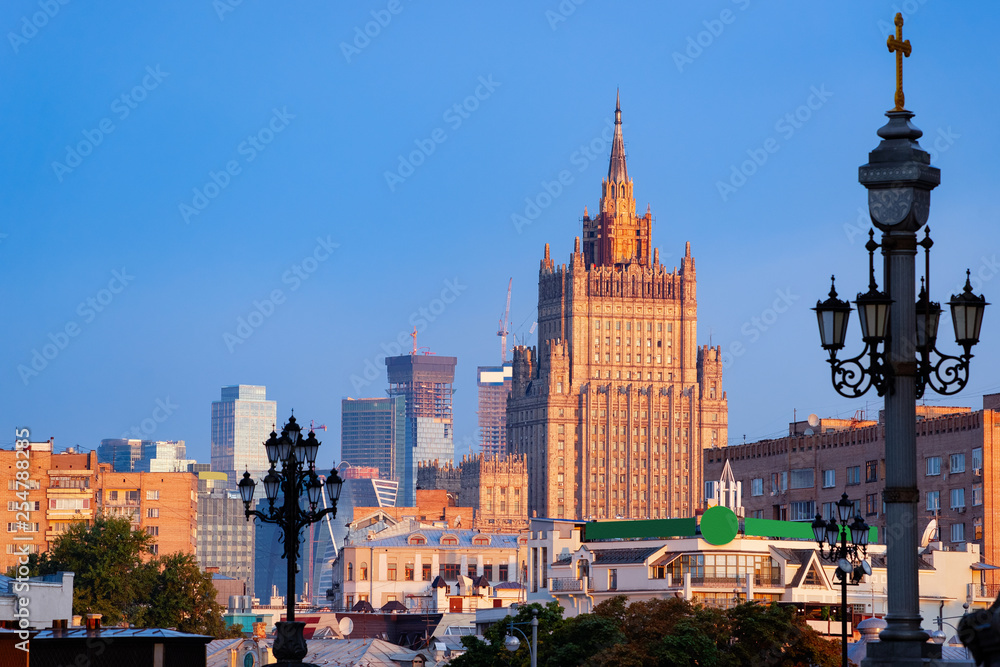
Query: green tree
{"type": "Point", "coordinates": [105, 557]}
{"type": "Point", "coordinates": [182, 597]}
{"type": "Point", "coordinates": [493, 653]}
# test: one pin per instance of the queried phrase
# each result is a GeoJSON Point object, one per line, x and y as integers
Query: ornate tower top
{"type": "Point", "coordinates": [901, 48]}
{"type": "Point", "coordinates": [617, 169]}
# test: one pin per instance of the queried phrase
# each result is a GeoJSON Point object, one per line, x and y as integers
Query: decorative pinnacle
{"type": "Point", "coordinates": [901, 48]}
{"type": "Point", "coordinates": [833, 289]}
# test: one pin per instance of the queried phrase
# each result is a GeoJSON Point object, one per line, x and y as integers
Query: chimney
{"type": "Point", "coordinates": [94, 621]}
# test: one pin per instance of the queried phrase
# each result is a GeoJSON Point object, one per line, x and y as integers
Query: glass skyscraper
{"type": "Point", "coordinates": [373, 434]}
{"type": "Point", "coordinates": [241, 422]}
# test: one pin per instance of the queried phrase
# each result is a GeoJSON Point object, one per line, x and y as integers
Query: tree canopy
{"type": "Point", "coordinates": [115, 577]}
{"type": "Point", "coordinates": [672, 632]}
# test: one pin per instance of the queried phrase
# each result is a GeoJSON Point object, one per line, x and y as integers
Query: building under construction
{"type": "Point", "coordinates": [426, 383]}
{"type": "Point", "coordinates": [494, 388]}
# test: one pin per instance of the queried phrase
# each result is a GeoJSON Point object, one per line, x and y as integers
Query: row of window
{"type": "Point", "coordinates": [447, 571]}
{"type": "Point", "coordinates": [956, 463]}
{"type": "Point", "coordinates": [628, 326]}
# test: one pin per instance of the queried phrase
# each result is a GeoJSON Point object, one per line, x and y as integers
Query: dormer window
{"type": "Point", "coordinates": [481, 540]}
{"type": "Point", "coordinates": [417, 539]}
{"type": "Point", "coordinates": [449, 540]}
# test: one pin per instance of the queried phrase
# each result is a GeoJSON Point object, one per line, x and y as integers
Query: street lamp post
{"type": "Point", "coordinates": [900, 358]}
{"type": "Point", "coordinates": [849, 555]}
{"type": "Point", "coordinates": [512, 643]}
{"type": "Point", "coordinates": [297, 457]}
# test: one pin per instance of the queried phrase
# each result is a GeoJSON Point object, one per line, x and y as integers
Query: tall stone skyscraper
{"type": "Point", "coordinates": [241, 422]}
{"type": "Point", "coordinates": [615, 405]}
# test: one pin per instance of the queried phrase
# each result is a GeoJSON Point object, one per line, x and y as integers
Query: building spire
{"type": "Point", "coordinates": [617, 171]}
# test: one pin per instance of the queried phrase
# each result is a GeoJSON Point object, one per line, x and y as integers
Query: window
{"type": "Point", "coordinates": [958, 532]}
{"type": "Point", "coordinates": [958, 499]}
{"type": "Point", "coordinates": [829, 479]}
{"type": "Point", "coordinates": [977, 528]}
{"type": "Point", "coordinates": [957, 463]}
{"type": "Point", "coordinates": [350, 571]}
{"type": "Point", "coordinates": [449, 540]}
{"type": "Point", "coordinates": [390, 572]}
{"type": "Point", "coordinates": [502, 575]}
{"type": "Point", "coordinates": [853, 475]}
{"type": "Point", "coordinates": [15, 506]}
{"type": "Point", "coordinates": [154, 549]}
{"type": "Point", "coordinates": [363, 572]}
{"type": "Point", "coordinates": [710, 490]}
{"type": "Point", "coordinates": [153, 513]}
{"type": "Point", "coordinates": [933, 465]}
{"type": "Point", "coordinates": [450, 571]}
{"type": "Point", "coordinates": [977, 461]}
{"type": "Point", "coordinates": [613, 579]}
{"type": "Point", "coordinates": [977, 494]}
{"type": "Point", "coordinates": [152, 495]}
{"type": "Point", "coordinates": [829, 511]}
{"type": "Point", "coordinates": [488, 571]}
{"type": "Point", "coordinates": [757, 486]}
{"type": "Point", "coordinates": [153, 530]}
{"type": "Point", "coordinates": [15, 485]}
{"type": "Point", "coordinates": [803, 510]}
{"type": "Point", "coordinates": [933, 501]}
{"type": "Point", "coordinates": [349, 601]}
{"type": "Point", "coordinates": [779, 482]}
{"type": "Point", "coordinates": [425, 571]}
{"type": "Point", "coordinates": [418, 539]}
{"type": "Point", "coordinates": [871, 504]}
{"type": "Point", "coordinates": [871, 471]}
{"type": "Point", "coordinates": [22, 527]}
{"type": "Point", "coordinates": [803, 478]}
{"type": "Point", "coordinates": [408, 572]}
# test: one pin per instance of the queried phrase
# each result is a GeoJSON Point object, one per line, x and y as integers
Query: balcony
{"type": "Point", "coordinates": [566, 585]}
{"type": "Point", "coordinates": [983, 591]}
{"type": "Point", "coordinates": [736, 582]}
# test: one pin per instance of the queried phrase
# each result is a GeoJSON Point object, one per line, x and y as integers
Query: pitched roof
{"type": "Point", "coordinates": [623, 556]}
{"type": "Point", "coordinates": [433, 535]}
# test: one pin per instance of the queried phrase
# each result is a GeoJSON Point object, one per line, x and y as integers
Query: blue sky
{"type": "Point", "coordinates": [168, 170]}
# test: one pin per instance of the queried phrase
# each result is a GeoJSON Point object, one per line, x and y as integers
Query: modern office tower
{"type": "Point", "coordinates": [617, 402]}
{"type": "Point", "coordinates": [494, 388]}
{"type": "Point", "coordinates": [120, 453]}
{"type": "Point", "coordinates": [373, 434]}
{"type": "Point", "coordinates": [241, 422]}
{"type": "Point", "coordinates": [225, 537]}
{"type": "Point", "coordinates": [426, 383]}
{"type": "Point", "coordinates": [163, 456]}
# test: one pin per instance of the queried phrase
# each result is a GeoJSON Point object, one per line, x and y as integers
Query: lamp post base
{"type": "Point", "coordinates": [290, 644]}
{"type": "Point", "coordinates": [902, 654]}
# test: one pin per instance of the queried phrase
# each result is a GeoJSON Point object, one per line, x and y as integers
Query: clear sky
{"type": "Point", "coordinates": [170, 170]}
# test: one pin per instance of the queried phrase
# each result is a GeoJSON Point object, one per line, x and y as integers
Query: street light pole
{"type": "Point", "coordinates": [512, 643]}
{"type": "Point", "coordinates": [900, 360]}
{"type": "Point", "coordinates": [297, 457]}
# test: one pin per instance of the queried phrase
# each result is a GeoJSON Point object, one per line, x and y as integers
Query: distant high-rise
{"type": "Point", "coordinates": [241, 422]}
{"type": "Point", "coordinates": [426, 383]}
{"type": "Point", "coordinates": [225, 537]}
{"type": "Point", "coordinates": [130, 455]}
{"type": "Point", "coordinates": [494, 388]}
{"type": "Point", "coordinates": [373, 434]}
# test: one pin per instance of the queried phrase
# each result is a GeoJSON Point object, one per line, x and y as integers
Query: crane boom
{"type": "Point", "coordinates": [505, 326]}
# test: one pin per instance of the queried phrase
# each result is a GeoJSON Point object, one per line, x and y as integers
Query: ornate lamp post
{"type": "Point", "coordinates": [900, 361]}
{"type": "Point", "coordinates": [849, 555]}
{"type": "Point", "coordinates": [297, 457]}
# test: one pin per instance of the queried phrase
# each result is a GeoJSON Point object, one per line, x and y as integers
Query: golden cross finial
{"type": "Point", "coordinates": [901, 48]}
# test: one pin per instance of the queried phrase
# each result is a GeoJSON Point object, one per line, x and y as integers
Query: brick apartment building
{"type": "Point", "coordinates": [69, 487]}
{"type": "Point", "coordinates": [958, 473]}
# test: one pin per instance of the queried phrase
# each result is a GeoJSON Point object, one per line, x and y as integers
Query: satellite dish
{"type": "Point", "coordinates": [809, 431]}
{"type": "Point", "coordinates": [929, 531]}
{"type": "Point", "coordinates": [813, 420]}
{"type": "Point", "coordinates": [346, 626]}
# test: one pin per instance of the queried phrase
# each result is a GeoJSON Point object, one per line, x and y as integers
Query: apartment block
{"type": "Point", "coordinates": [958, 474]}
{"type": "Point", "coordinates": [225, 537]}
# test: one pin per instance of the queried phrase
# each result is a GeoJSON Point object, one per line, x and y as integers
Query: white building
{"type": "Point", "coordinates": [50, 598]}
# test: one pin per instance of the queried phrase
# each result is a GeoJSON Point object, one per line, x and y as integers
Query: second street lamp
{"type": "Point", "coordinates": [297, 457]}
{"type": "Point", "coordinates": [847, 545]}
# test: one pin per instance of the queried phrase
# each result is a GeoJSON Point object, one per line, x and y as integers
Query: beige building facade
{"type": "Point", "coordinates": [613, 408]}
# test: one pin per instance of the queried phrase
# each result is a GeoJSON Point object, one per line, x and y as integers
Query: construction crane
{"type": "Point", "coordinates": [313, 428]}
{"type": "Point", "coordinates": [505, 326]}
